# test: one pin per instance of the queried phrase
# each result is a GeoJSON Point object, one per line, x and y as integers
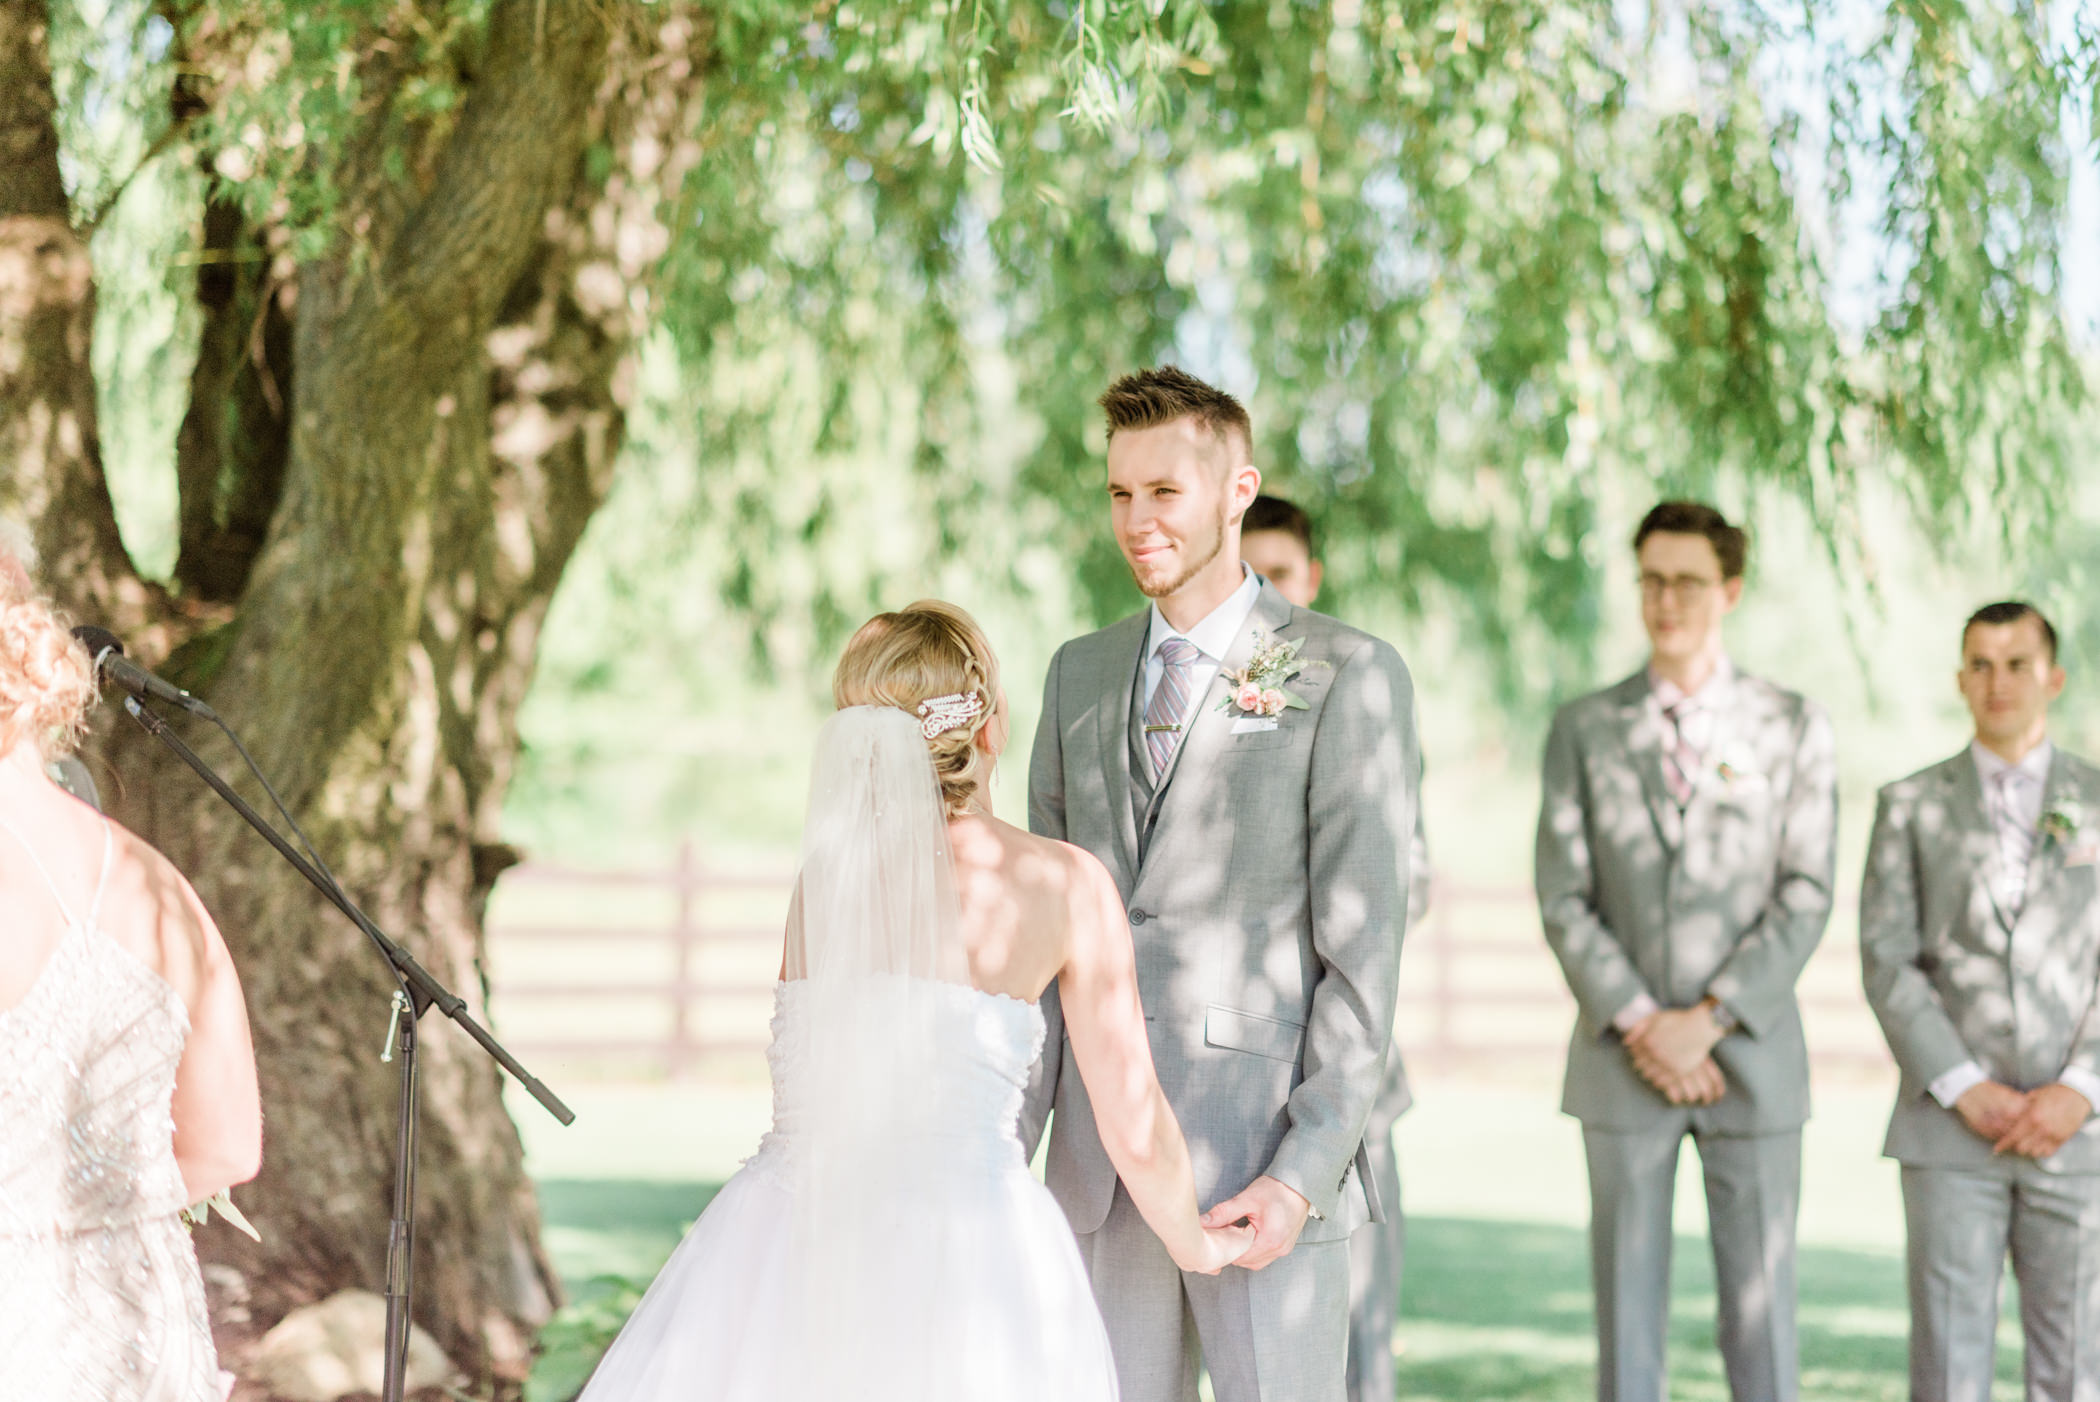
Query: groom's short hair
{"type": "Point", "coordinates": [1167, 393]}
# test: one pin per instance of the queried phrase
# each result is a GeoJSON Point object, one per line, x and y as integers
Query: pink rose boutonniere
{"type": "Point", "coordinates": [1258, 687]}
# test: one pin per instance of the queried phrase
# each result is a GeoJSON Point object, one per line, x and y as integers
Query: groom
{"type": "Point", "coordinates": [1261, 855]}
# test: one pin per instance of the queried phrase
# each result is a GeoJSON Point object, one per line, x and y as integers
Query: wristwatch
{"type": "Point", "coordinates": [1719, 1012]}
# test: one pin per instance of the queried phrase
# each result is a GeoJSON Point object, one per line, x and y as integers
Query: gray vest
{"type": "Point", "coordinates": [1146, 796]}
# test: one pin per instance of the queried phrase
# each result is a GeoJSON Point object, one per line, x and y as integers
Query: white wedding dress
{"type": "Point", "coordinates": [887, 1242]}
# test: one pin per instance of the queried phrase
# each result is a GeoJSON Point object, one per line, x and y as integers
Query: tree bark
{"type": "Point", "coordinates": [235, 441]}
{"type": "Point", "coordinates": [50, 448]}
{"type": "Point", "coordinates": [456, 378]}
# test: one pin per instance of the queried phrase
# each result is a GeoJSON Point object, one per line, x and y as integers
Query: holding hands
{"type": "Point", "coordinates": [1214, 1248]}
{"type": "Point", "coordinates": [1274, 1213]}
{"type": "Point", "coordinates": [1672, 1052]}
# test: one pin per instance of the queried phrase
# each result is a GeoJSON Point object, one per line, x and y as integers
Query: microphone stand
{"type": "Point", "coordinates": [419, 992]}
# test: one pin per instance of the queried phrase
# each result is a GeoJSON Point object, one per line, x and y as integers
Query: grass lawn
{"type": "Point", "coordinates": [1495, 1303]}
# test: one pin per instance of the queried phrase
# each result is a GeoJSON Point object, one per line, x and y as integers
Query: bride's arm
{"type": "Point", "coordinates": [216, 1106]}
{"type": "Point", "coordinates": [1097, 988]}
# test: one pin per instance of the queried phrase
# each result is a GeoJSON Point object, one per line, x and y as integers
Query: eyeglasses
{"type": "Point", "coordinates": [1687, 588]}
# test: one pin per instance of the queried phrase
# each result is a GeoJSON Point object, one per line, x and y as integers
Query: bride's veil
{"type": "Point", "coordinates": [873, 933]}
{"type": "Point", "coordinates": [876, 893]}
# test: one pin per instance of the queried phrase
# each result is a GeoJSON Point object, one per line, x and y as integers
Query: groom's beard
{"type": "Point", "coordinates": [1196, 554]}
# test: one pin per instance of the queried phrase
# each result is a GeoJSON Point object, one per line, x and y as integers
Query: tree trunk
{"type": "Point", "coordinates": [461, 381]}
{"type": "Point", "coordinates": [50, 450]}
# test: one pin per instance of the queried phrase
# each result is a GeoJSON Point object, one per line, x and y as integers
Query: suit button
{"type": "Point", "coordinates": [1138, 917]}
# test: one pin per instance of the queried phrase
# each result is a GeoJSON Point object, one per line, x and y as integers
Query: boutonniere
{"type": "Point", "coordinates": [2062, 822]}
{"type": "Point", "coordinates": [1257, 689]}
{"type": "Point", "coordinates": [1737, 768]}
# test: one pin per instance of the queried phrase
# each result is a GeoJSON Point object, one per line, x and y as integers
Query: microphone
{"type": "Point", "coordinates": [111, 665]}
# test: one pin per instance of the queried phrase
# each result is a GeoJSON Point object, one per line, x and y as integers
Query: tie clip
{"type": "Point", "coordinates": [1150, 728]}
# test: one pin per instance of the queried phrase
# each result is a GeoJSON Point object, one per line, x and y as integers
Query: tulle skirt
{"type": "Point", "coordinates": [977, 1295]}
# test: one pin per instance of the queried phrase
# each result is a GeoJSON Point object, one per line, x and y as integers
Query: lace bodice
{"type": "Point", "coordinates": [87, 1070]}
{"type": "Point", "coordinates": [965, 1099]}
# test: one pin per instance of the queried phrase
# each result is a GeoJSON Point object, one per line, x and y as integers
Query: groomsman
{"type": "Point", "coordinates": [1276, 541]}
{"type": "Point", "coordinates": [1979, 934]}
{"type": "Point", "coordinates": [1685, 847]}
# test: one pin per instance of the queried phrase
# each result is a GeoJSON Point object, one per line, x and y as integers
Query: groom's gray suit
{"type": "Point", "coordinates": [1725, 895]}
{"type": "Point", "coordinates": [1266, 879]}
{"type": "Point", "coordinates": [1955, 978]}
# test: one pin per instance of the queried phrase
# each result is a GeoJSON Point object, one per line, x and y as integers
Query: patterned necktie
{"type": "Point", "coordinates": [1169, 703]}
{"type": "Point", "coordinates": [1677, 757]}
{"type": "Point", "coordinates": [2015, 847]}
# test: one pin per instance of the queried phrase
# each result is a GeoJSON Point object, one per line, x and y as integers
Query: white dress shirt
{"type": "Point", "coordinates": [2012, 799]}
{"type": "Point", "coordinates": [1698, 714]}
{"type": "Point", "coordinates": [1213, 638]}
{"type": "Point", "coordinates": [1697, 724]}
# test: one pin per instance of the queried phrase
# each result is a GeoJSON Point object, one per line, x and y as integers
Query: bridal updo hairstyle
{"type": "Point", "coordinates": [47, 684]}
{"type": "Point", "coordinates": [925, 650]}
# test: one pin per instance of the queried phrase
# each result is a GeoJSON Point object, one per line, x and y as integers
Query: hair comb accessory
{"type": "Point", "coordinates": [943, 713]}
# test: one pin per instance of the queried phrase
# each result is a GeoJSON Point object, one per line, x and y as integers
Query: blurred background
{"type": "Point", "coordinates": [587, 439]}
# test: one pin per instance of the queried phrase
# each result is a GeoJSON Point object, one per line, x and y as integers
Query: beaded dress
{"type": "Point", "coordinates": [100, 1295]}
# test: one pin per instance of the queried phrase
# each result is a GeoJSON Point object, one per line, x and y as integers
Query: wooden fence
{"type": "Point", "coordinates": [669, 973]}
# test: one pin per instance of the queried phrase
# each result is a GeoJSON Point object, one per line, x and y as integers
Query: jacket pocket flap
{"type": "Point", "coordinates": [1251, 1032]}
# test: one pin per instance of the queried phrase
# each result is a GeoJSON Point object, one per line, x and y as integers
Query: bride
{"type": "Point", "coordinates": [887, 1241]}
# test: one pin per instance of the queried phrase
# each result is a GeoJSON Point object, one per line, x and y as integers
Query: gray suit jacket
{"type": "Point", "coordinates": [1727, 896]}
{"type": "Point", "coordinates": [1395, 1096]}
{"type": "Point", "coordinates": [1267, 886]}
{"type": "Point", "coordinates": [1954, 978]}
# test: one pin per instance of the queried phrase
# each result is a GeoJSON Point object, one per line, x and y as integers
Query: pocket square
{"type": "Point", "coordinates": [2083, 855]}
{"type": "Point", "coordinates": [1249, 725]}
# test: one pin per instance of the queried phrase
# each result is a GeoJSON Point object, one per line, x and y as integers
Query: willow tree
{"type": "Point", "coordinates": [1481, 260]}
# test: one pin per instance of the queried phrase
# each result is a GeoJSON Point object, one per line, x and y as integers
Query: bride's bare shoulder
{"type": "Point", "coordinates": [1071, 877]}
{"type": "Point", "coordinates": [1042, 865]}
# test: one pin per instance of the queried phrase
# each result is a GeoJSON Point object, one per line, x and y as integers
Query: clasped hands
{"type": "Point", "coordinates": [1275, 1211]}
{"type": "Point", "coordinates": [1672, 1051]}
{"type": "Point", "coordinates": [2033, 1124]}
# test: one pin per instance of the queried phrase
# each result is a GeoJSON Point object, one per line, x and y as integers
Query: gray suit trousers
{"type": "Point", "coordinates": [1962, 1223]}
{"type": "Point", "coordinates": [1753, 1196]}
{"type": "Point", "coordinates": [1273, 1335]}
{"type": "Point", "coordinates": [1376, 1252]}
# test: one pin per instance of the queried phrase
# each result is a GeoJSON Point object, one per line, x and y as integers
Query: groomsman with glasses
{"type": "Point", "coordinates": [1686, 840]}
{"type": "Point", "coordinates": [1980, 944]}
{"type": "Point", "coordinates": [1276, 541]}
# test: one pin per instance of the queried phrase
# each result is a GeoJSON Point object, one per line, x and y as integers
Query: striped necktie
{"type": "Point", "coordinates": [1678, 760]}
{"type": "Point", "coordinates": [1169, 703]}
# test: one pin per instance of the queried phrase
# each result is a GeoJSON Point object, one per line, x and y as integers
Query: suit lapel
{"type": "Point", "coordinates": [2047, 863]}
{"type": "Point", "coordinates": [1210, 728]}
{"type": "Point", "coordinates": [1973, 822]}
{"type": "Point", "coordinates": [1642, 730]}
{"type": "Point", "coordinates": [1123, 656]}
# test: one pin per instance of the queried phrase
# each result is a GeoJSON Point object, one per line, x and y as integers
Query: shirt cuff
{"type": "Point", "coordinates": [2084, 1082]}
{"type": "Point", "coordinates": [1955, 1084]}
{"type": "Point", "coordinates": [1633, 1014]}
